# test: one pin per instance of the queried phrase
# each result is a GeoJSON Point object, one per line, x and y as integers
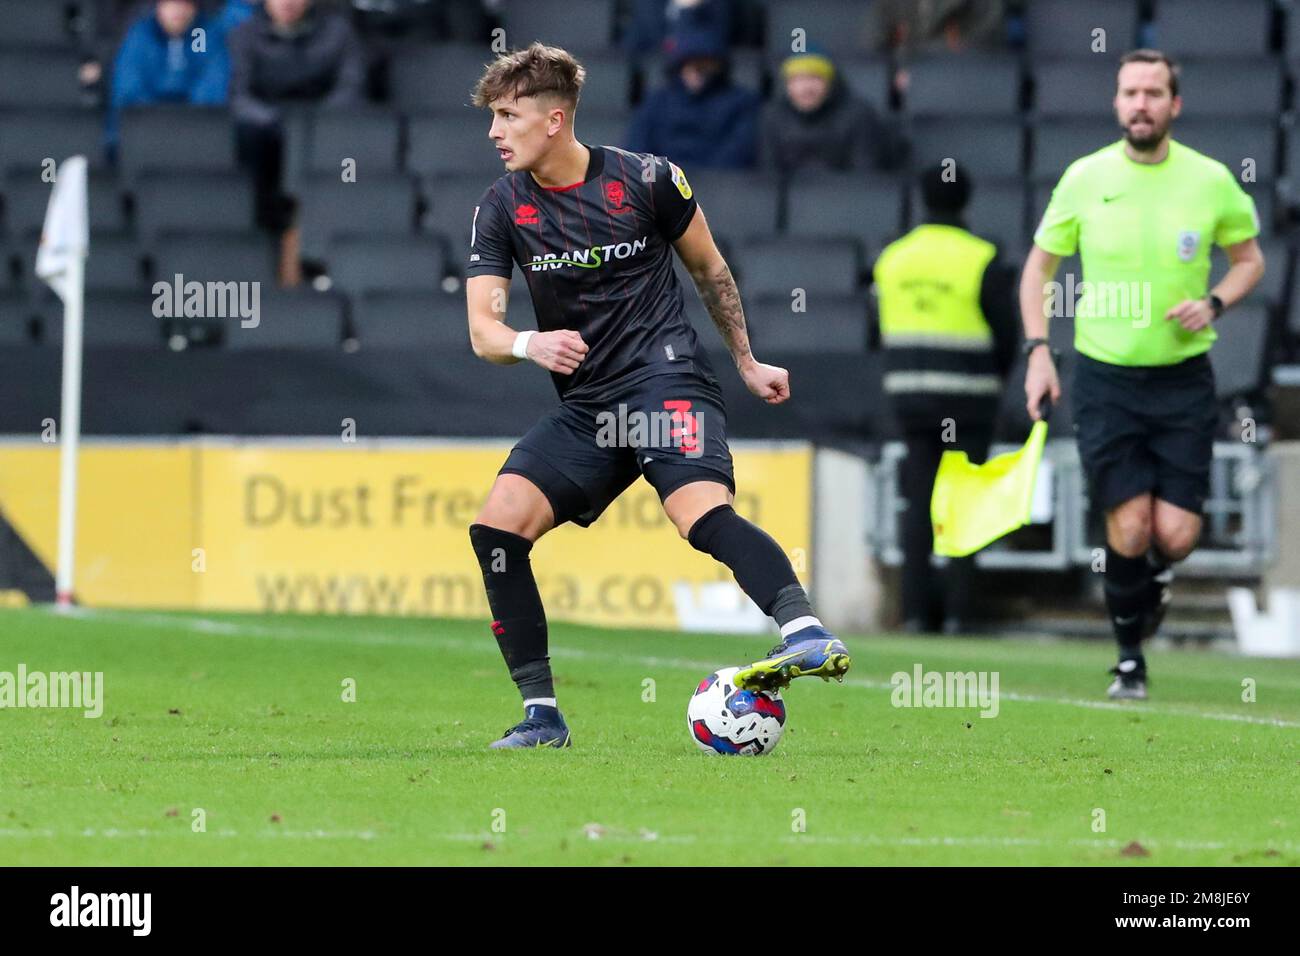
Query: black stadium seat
{"type": "Point", "coordinates": [405, 264]}
{"type": "Point", "coordinates": [1185, 28]}
{"type": "Point", "coordinates": [16, 315]}
{"type": "Point", "coordinates": [239, 257]}
{"type": "Point", "coordinates": [1065, 28]}
{"type": "Point", "coordinates": [192, 202]}
{"type": "Point", "coordinates": [971, 85]}
{"type": "Point", "coordinates": [577, 25]}
{"type": "Point", "coordinates": [869, 79]}
{"type": "Point", "coordinates": [34, 23]}
{"type": "Point", "coordinates": [115, 264]}
{"type": "Point", "coordinates": [451, 202]}
{"type": "Point", "coordinates": [1075, 88]}
{"type": "Point", "coordinates": [1238, 357]}
{"type": "Point", "coordinates": [839, 205]}
{"type": "Point", "coordinates": [984, 147]}
{"type": "Point", "coordinates": [1056, 143]}
{"type": "Point", "coordinates": [776, 267]}
{"type": "Point", "coordinates": [371, 138]}
{"type": "Point", "coordinates": [29, 137]}
{"type": "Point", "coordinates": [843, 27]}
{"type": "Point", "coordinates": [27, 198]}
{"type": "Point", "coordinates": [112, 319]}
{"type": "Point", "coordinates": [290, 320]}
{"type": "Point", "coordinates": [831, 325]}
{"type": "Point", "coordinates": [436, 77]}
{"type": "Point", "coordinates": [449, 143]}
{"type": "Point", "coordinates": [412, 322]}
{"type": "Point", "coordinates": [176, 139]}
{"type": "Point", "coordinates": [374, 204]}
{"type": "Point", "coordinates": [1234, 141]}
{"type": "Point", "coordinates": [737, 204]}
{"type": "Point", "coordinates": [39, 79]}
{"type": "Point", "coordinates": [1230, 88]}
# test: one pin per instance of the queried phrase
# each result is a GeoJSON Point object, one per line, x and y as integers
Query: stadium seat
{"type": "Point", "coordinates": [997, 212]}
{"type": "Point", "coordinates": [242, 257]}
{"type": "Point", "coordinates": [449, 143]}
{"type": "Point", "coordinates": [1230, 88]}
{"type": "Point", "coordinates": [1064, 28]}
{"type": "Point", "coordinates": [608, 86]}
{"type": "Point", "coordinates": [1185, 28]}
{"type": "Point", "coordinates": [1277, 268]}
{"type": "Point", "coordinates": [1056, 143]}
{"type": "Point", "coordinates": [29, 137]}
{"type": "Point", "coordinates": [193, 202]}
{"type": "Point", "coordinates": [35, 23]}
{"type": "Point", "coordinates": [436, 78]}
{"type": "Point", "coordinates": [411, 321]}
{"type": "Point", "coordinates": [1231, 143]}
{"type": "Point", "coordinates": [831, 325]}
{"type": "Point", "coordinates": [868, 78]}
{"type": "Point", "coordinates": [1075, 88]}
{"type": "Point", "coordinates": [39, 79]}
{"type": "Point", "coordinates": [738, 204]}
{"type": "Point", "coordinates": [290, 319]}
{"type": "Point", "coordinates": [774, 268]}
{"type": "Point", "coordinates": [1238, 357]}
{"type": "Point", "coordinates": [372, 138]}
{"type": "Point", "coordinates": [451, 201]}
{"type": "Point", "coordinates": [746, 70]}
{"type": "Point", "coordinates": [579, 26]}
{"type": "Point", "coordinates": [115, 264]}
{"type": "Point", "coordinates": [843, 27]}
{"type": "Point", "coordinates": [969, 85]}
{"type": "Point", "coordinates": [602, 129]}
{"type": "Point", "coordinates": [112, 320]}
{"type": "Point", "coordinates": [838, 205]}
{"type": "Point", "coordinates": [27, 198]}
{"type": "Point", "coordinates": [175, 139]}
{"type": "Point", "coordinates": [374, 204]}
{"type": "Point", "coordinates": [16, 317]}
{"type": "Point", "coordinates": [987, 148]}
{"type": "Point", "coordinates": [366, 263]}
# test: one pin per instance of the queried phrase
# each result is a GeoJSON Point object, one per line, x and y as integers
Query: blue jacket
{"type": "Point", "coordinates": [717, 127]}
{"type": "Point", "coordinates": [152, 67]}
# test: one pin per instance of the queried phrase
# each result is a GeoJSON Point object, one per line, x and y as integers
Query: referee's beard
{"type": "Point", "coordinates": [1149, 141]}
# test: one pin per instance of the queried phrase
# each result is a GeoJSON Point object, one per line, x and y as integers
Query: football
{"type": "Point", "coordinates": [725, 719]}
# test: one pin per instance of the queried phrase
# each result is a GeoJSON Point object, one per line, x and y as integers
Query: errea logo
{"type": "Point", "coordinates": [592, 258]}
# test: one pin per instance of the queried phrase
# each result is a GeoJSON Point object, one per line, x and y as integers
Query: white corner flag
{"type": "Point", "coordinates": [61, 263]}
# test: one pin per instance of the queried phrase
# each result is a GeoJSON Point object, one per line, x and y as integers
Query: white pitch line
{"type": "Point", "coordinates": [210, 626]}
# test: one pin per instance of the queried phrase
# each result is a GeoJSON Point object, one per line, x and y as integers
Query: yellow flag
{"type": "Point", "coordinates": [974, 505]}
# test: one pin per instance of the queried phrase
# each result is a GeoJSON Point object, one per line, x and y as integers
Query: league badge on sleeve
{"type": "Point", "coordinates": [1188, 242]}
{"type": "Point", "coordinates": [679, 180]}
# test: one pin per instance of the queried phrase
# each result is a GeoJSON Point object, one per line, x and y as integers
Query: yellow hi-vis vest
{"type": "Point", "coordinates": [936, 338]}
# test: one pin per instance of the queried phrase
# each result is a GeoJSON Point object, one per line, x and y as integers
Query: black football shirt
{"type": "Point", "coordinates": [597, 257]}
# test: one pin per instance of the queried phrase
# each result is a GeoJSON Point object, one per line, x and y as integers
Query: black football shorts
{"type": "Point", "coordinates": [672, 428]}
{"type": "Point", "coordinates": [1147, 429]}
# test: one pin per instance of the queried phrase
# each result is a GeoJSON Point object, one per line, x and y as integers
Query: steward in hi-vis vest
{"type": "Point", "coordinates": [947, 325]}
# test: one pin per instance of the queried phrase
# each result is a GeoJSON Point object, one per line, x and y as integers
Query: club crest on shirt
{"type": "Point", "coordinates": [679, 180]}
{"type": "Point", "coordinates": [615, 197]}
{"type": "Point", "coordinates": [1189, 241]}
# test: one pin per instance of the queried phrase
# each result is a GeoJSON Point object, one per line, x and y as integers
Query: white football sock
{"type": "Point", "coordinates": [798, 624]}
{"type": "Point", "coordinates": [544, 701]}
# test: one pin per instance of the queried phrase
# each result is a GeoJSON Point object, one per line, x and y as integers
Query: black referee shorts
{"type": "Point", "coordinates": [1146, 429]}
{"type": "Point", "coordinates": [672, 428]}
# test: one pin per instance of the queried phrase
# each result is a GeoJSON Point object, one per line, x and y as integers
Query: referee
{"type": "Point", "coordinates": [1142, 213]}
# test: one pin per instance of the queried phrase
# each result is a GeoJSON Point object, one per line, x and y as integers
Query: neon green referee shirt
{"type": "Point", "coordinates": [1143, 232]}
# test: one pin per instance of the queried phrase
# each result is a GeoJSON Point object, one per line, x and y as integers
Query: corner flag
{"type": "Point", "coordinates": [61, 263]}
{"type": "Point", "coordinates": [974, 505]}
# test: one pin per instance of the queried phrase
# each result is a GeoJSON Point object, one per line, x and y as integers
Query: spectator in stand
{"type": "Point", "coordinates": [288, 53]}
{"type": "Point", "coordinates": [698, 117]}
{"type": "Point", "coordinates": [939, 26]}
{"type": "Point", "coordinates": [162, 60]}
{"type": "Point", "coordinates": [818, 123]}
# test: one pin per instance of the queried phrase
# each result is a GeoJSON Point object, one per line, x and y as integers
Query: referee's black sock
{"type": "Point", "coordinates": [520, 619]}
{"type": "Point", "coordinates": [761, 568]}
{"type": "Point", "coordinates": [1127, 586]}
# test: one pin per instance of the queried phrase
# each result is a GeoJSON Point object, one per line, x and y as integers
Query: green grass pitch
{"type": "Point", "coordinates": [242, 717]}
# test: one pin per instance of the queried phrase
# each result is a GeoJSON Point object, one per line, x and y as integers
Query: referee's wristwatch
{"type": "Point", "coordinates": [1216, 304]}
{"type": "Point", "coordinates": [1030, 344]}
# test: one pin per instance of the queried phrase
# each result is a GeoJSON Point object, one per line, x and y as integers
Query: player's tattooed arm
{"type": "Point", "coordinates": [718, 291]}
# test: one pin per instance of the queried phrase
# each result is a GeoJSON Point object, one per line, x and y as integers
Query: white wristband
{"type": "Point", "coordinates": [520, 349]}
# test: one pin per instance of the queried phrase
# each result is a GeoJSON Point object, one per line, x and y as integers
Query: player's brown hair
{"type": "Point", "coordinates": [1155, 56]}
{"type": "Point", "coordinates": [536, 70]}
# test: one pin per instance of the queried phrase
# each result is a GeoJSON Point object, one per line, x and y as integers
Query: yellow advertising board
{"type": "Point", "coordinates": [366, 528]}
